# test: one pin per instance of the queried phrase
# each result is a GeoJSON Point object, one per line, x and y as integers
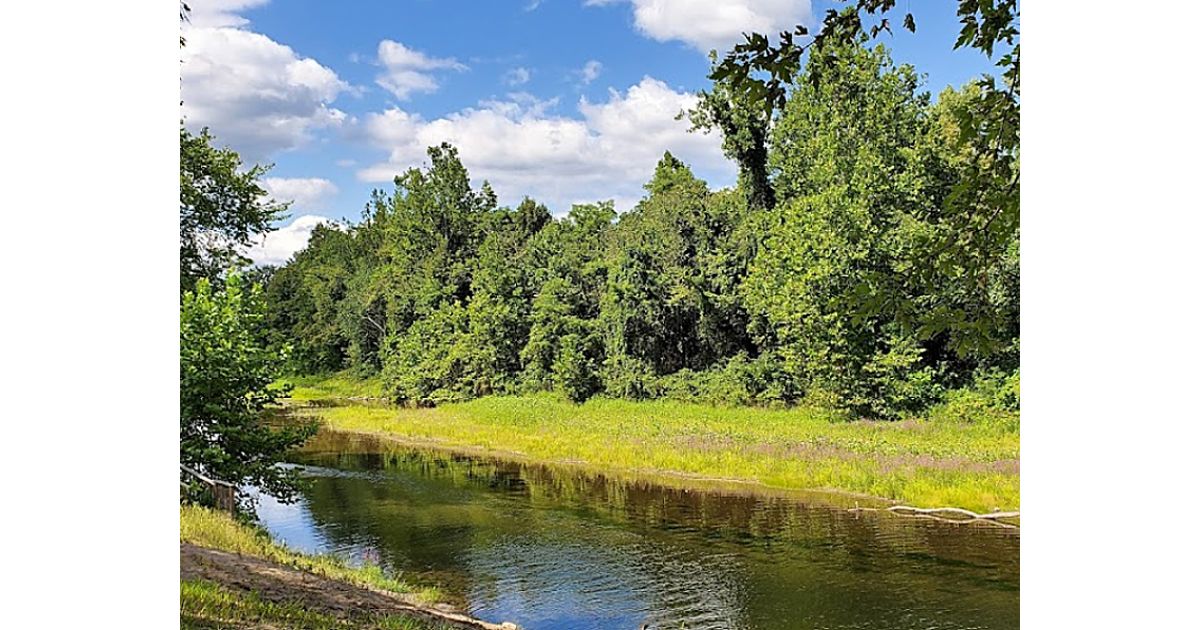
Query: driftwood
{"type": "Point", "coordinates": [937, 514]}
{"type": "Point", "coordinates": [952, 510]}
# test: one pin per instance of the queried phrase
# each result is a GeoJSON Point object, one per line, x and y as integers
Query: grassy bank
{"type": "Point", "coordinates": [931, 462]}
{"type": "Point", "coordinates": [204, 604]}
{"type": "Point", "coordinates": [340, 385]}
{"type": "Point", "coordinates": [217, 530]}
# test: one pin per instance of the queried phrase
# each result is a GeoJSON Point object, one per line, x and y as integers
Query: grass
{"type": "Point", "coordinates": [205, 604]}
{"type": "Point", "coordinates": [919, 462]}
{"type": "Point", "coordinates": [340, 385]}
{"type": "Point", "coordinates": [217, 530]}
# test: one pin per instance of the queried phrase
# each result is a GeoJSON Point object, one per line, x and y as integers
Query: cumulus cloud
{"type": "Point", "coordinates": [406, 71]}
{"type": "Point", "coordinates": [307, 193]}
{"type": "Point", "coordinates": [256, 94]}
{"type": "Point", "coordinates": [517, 76]}
{"type": "Point", "coordinates": [277, 246]}
{"type": "Point", "coordinates": [708, 25]}
{"type": "Point", "coordinates": [521, 148]}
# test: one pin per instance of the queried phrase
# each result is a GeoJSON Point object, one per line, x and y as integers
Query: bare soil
{"type": "Point", "coordinates": [285, 585]}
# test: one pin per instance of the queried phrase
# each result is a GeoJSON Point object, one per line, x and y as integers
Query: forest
{"type": "Point", "coordinates": [867, 261]}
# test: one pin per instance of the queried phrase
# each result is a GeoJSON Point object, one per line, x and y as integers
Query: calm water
{"type": "Point", "coordinates": [561, 549]}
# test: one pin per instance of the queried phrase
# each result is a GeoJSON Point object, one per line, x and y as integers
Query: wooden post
{"type": "Point", "coordinates": [226, 496]}
{"type": "Point", "coordinates": [224, 493]}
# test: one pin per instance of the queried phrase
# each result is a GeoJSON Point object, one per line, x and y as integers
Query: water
{"type": "Point", "coordinates": [555, 548]}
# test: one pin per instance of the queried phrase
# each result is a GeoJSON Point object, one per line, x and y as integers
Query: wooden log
{"type": "Point", "coordinates": [953, 510]}
{"type": "Point", "coordinates": [937, 514]}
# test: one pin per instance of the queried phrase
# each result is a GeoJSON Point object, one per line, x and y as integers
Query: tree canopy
{"type": "Point", "coordinates": [222, 208]}
{"type": "Point", "coordinates": [226, 367]}
{"type": "Point", "coordinates": [837, 270]}
{"type": "Point", "coordinates": [228, 354]}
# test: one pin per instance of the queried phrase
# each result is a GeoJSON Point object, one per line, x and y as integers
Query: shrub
{"type": "Point", "coordinates": [993, 398]}
{"type": "Point", "coordinates": [573, 371]}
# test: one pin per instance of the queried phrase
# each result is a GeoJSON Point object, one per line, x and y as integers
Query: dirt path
{"type": "Point", "coordinates": [282, 584]}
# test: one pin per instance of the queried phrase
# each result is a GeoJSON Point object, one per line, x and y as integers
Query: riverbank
{"type": "Point", "coordinates": [232, 575]}
{"type": "Point", "coordinates": [924, 462]}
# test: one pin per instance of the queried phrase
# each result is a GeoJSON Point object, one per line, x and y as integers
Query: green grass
{"type": "Point", "coordinates": [205, 604]}
{"type": "Point", "coordinates": [217, 530]}
{"type": "Point", "coordinates": [339, 385]}
{"type": "Point", "coordinates": [919, 462]}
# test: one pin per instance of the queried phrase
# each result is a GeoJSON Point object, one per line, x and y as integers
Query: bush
{"type": "Point", "coordinates": [1008, 395]}
{"type": "Point", "coordinates": [573, 371]}
{"type": "Point", "coordinates": [993, 399]}
{"type": "Point", "coordinates": [629, 377]}
{"type": "Point", "coordinates": [740, 381]}
{"type": "Point", "coordinates": [425, 365]}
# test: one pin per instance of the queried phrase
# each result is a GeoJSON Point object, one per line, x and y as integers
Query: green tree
{"type": "Point", "coordinates": [502, 289]}
{"type": "Point", "coordinates": [671, 301]}
{"type": "Point", "coordinates": [984, 206]}
{"type": "Point", "coordinates": [569, 267]}
{"type": "Point", "coordinates": [574, 371]}
{"type": "Point", "coordinates": [745, 129]}
{"type": "Point", "coordinates": [307, 301]}
{"type": "Point", "coordinates": [426, 363]}
{"type": "Point", "coordinates": [854, 192]}
{"type": "Point", "coordinates": [221, 209]}
{"type": "Point", "coordinates": [226, 366]}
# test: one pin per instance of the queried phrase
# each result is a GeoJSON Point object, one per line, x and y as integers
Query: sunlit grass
{"type": "Point", "coordinates": [340, 385]}
{"type": "Point", "coordinates": [918, 462]}
{"type": "Point", "coordinates": [217, 530]}
{"type": "Point", "coordinates": [205, 604]}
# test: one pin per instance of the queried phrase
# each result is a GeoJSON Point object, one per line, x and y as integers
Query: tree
{"type": "Point", "coordinates": [226, 367]}
{"type": "Point", "coordinates": [502, 289]}
{"type": "Point", "coordinates": [221, 209]}
{"type": "Point", "coordinates": [854, 192]}
{"type": "Point", "coordinates": [745, 127]}
{"type": "Point", "coordinates": [569, 274]}
{"type": "Point", "coordinates": [984, 206]}
{"type": "Point", "coordinates": [307, 298]}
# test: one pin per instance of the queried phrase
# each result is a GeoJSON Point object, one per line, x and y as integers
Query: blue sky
{"type": "Point", "coordinates": [567, 101]}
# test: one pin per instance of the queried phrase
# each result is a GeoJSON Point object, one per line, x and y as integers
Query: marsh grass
{"type": "Point", "coordinates": [217, 530]}
{"type": "Point", "coordinates": [938, 462]}
{"type": "Point", "coordinates": [204, 604]}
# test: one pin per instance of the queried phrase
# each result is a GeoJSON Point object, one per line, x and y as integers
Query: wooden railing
{"type": "Point", "coordinates": [223, 492]}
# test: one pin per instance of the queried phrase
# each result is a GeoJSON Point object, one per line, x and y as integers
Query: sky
{"type": "Point", "coordinates": [565, 101]}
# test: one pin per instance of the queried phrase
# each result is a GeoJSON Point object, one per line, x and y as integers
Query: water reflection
{"type": "Point", "coordinates": [550, 548]}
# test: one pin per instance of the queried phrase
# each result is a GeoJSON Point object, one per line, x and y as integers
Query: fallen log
{"type": "Point", "coordinates": [938, 514]}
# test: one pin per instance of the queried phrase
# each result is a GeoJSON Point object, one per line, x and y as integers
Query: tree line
{"type": "Point", "coordinates": [867, 260]}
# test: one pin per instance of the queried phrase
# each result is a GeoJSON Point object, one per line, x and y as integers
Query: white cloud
{"type": "Point", "coordinates": [709, 25]}
{"type": "Point", "coordinates": [590, 71]}
{"type": "Point", "coordinates": [307, 193]}
{"type": "Point", "coordinates": [256, 95]}
{"type": "Point", "coordinates": [407, 70]}
{"type": "Point", "coordinates": [217, 13]}
{"type": "Point", "coordinates": [277, 246]}
{"type": "Point", "coordinates": [517, 76]}
{"type": "Point", "coordinates": [522, 149]}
